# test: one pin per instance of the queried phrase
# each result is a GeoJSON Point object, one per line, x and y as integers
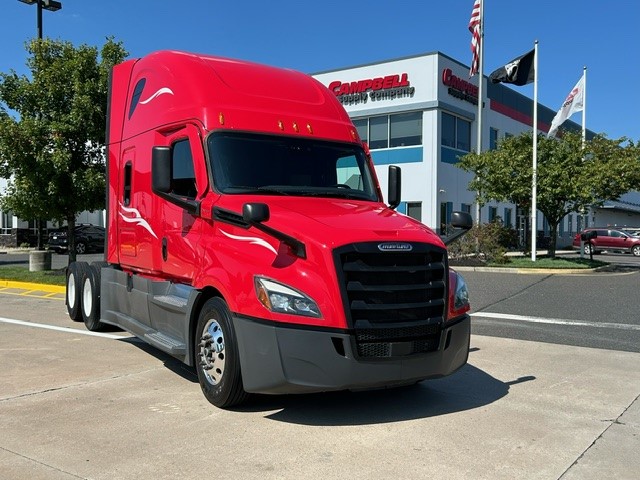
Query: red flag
{"type": "Point", "coordinates": [474, 28]}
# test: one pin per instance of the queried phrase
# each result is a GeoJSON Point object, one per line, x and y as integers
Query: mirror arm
{"type": "Point", "coordinates": [298, 248]}
{"type": "Point", "coordinates": [455, 235]}
{"type": "Point", "coordinates": [191, 206]}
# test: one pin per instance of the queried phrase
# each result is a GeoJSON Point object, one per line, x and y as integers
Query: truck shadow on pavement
{"type": "Point", "coordinates": [171, 363]}
{"type": "Point", "coordinates": [468, 388]}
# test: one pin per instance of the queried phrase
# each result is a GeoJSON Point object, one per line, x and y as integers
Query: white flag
{"type": "Point", "coordinates": [573, 103]}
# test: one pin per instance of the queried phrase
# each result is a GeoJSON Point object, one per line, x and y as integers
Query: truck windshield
{"type": "Point", "coordinates": [279, 165]}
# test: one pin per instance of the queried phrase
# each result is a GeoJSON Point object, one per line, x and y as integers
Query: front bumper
{"type": "Point", "coordinates": [283, 359]}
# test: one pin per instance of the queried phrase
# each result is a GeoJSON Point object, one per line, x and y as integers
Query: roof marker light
{"type": "Point", "coordinates": [295, 127]}
{"type": "Point", "coordinates": [280, 125]}
{"type": "Point", "coordinates": [221, 118]}
{"type": "Point", "coordinates": [309, 129]}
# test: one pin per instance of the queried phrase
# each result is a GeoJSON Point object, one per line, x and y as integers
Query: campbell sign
{"type": "Point", "coordinates": [460, 88]}
{"type": "Point", "coordinates": [374, 89]}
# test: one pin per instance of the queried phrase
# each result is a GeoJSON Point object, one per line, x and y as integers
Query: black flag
{"type": "Point", "coordinates": [518, 71]}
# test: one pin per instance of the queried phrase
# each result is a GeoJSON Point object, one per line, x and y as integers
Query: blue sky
{"type": "Point", "coordinates": [314, 36]}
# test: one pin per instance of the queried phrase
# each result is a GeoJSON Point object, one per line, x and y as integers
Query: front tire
{"type": "Point", "coordinates": [588, 248]}
{"type": "Point", "coordinates": [216, 356]}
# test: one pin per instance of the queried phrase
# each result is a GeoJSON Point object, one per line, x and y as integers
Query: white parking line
{"type": "Point", "coordinates": [60, 329]}
{"type": "Point", "coordinates": [555, 321]}
{"type": "Point", "coordinates": [500, 316]}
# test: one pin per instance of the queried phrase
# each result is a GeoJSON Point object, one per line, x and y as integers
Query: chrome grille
{"type": "Point", "coordinates": [395, 301]}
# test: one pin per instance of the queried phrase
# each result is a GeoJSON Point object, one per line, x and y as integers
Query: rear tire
{"type": "Point", "coordinates": [636, 250]}
{"type": "Point", "coordinates": [81, 248]}
{"type": "Point", "coordinates": [75, 273]}
{"type": "Point", "coordinates": [91, 298]}
{"type": "Point", "coordinates": [216, 356]}
{"type": "Point", "coordinates": [587, 248]}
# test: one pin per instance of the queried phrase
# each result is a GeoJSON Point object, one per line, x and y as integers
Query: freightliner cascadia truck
{"type": "Point", "coordinates": [247, 236]}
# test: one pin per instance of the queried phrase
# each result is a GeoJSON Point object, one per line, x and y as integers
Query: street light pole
{"type": "Point", "coordinates": [51, 5]}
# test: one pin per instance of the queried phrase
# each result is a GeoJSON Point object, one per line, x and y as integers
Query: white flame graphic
{"type": "Point", "coordinates": [157, 94]}
{"type": "Point", "coordinates": [252, 240]}
{"type": "Point", "coordinates": [138, 220]}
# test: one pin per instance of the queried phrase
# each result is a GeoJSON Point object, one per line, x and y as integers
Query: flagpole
{"type": "Point", "coordinates": [534, 180]}
{"type": "Point", "coordinates": [584, 139]}
{"type": "Point", "coordinates": [480, 99]}
{"type": "Point", "coordinates": [584, 106]}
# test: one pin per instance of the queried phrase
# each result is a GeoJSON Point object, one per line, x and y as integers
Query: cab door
{"type": "Point", "coordinates": [182, 230]}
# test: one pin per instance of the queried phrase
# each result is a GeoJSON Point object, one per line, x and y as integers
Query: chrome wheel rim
{"type": "Point", "coordinates": [212, 352]}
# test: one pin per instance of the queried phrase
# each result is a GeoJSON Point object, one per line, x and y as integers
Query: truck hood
{"type": "Point", "coordinates": [335, 222]}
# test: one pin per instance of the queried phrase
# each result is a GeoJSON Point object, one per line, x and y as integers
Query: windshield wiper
{"type": "Point", "coordinates": [348, 194]}
{"type": "Point", "coordinates": [257, 190]}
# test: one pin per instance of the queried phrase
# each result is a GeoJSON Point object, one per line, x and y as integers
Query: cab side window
{"type": "Point", "coordinates": [183, 179]}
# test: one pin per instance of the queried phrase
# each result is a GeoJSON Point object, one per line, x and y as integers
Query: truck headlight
{"type": "Point", "coordinates": [280, 298]}
{"type": "Point", "coordinates": [458, 295]}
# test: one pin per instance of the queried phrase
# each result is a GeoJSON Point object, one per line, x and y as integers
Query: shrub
{"type": "Point", "coordinates": [487, 242]}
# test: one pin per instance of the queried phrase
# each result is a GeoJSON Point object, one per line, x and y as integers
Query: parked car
{"type": "Point", "coordinates": [89, 238]}
{"type": "Point", "coordinates": [609, 239]}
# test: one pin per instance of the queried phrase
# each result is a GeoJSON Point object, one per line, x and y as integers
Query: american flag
{"type": "Point", "coordinates": [474, 28]}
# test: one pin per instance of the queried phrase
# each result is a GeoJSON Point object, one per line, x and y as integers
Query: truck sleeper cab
{"type": "Point", "coordinates": [247, 236]}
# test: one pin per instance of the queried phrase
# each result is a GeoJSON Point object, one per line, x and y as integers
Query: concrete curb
{"type": "Point", "coordinates": [537, 271]}
{"type": "Point", "coordinates": [42, 287]}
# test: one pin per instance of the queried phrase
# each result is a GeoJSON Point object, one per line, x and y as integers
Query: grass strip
{"type": "Point", "coordinates": [21, 274]}
{"type": "Point", "coordinates": [553, 263]}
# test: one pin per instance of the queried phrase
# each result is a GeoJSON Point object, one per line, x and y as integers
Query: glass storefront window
{"type": "Point", "coordinates": [448, 130]}
{"type": "Point", "coordinates": [405, 129]}
{"type": "Point", "coordinates": [362, 126]}
{"type": "Point", "coordinates": [379, 132]}
{"type": "Point", "coordinates": [463, 135]}
{"type": "Point", "coordinates": [456, 132]}
{"type": "Point", "coordinates": [414, 210]}
{"type": "Point", "coordinates": [493, 138]}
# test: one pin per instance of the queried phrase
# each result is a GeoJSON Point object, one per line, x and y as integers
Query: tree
{"type": "Point", "coordinates": [570, 178]}
{"type": "Point", "coordinates": [52, 131]}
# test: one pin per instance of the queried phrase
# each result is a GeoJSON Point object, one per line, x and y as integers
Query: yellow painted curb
{"type": "Point", "coordinates": [41, 287]}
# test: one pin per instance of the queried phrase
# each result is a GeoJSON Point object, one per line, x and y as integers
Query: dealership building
{"type": "Point", "coordinates": [420, 113]}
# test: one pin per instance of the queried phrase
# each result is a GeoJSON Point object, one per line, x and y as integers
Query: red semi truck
{"type": "Point", "coordinates": [247, 236]}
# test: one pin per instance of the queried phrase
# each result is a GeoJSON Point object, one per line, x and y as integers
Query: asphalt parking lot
{"type": "Point", "coordinates": [75, 405]}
